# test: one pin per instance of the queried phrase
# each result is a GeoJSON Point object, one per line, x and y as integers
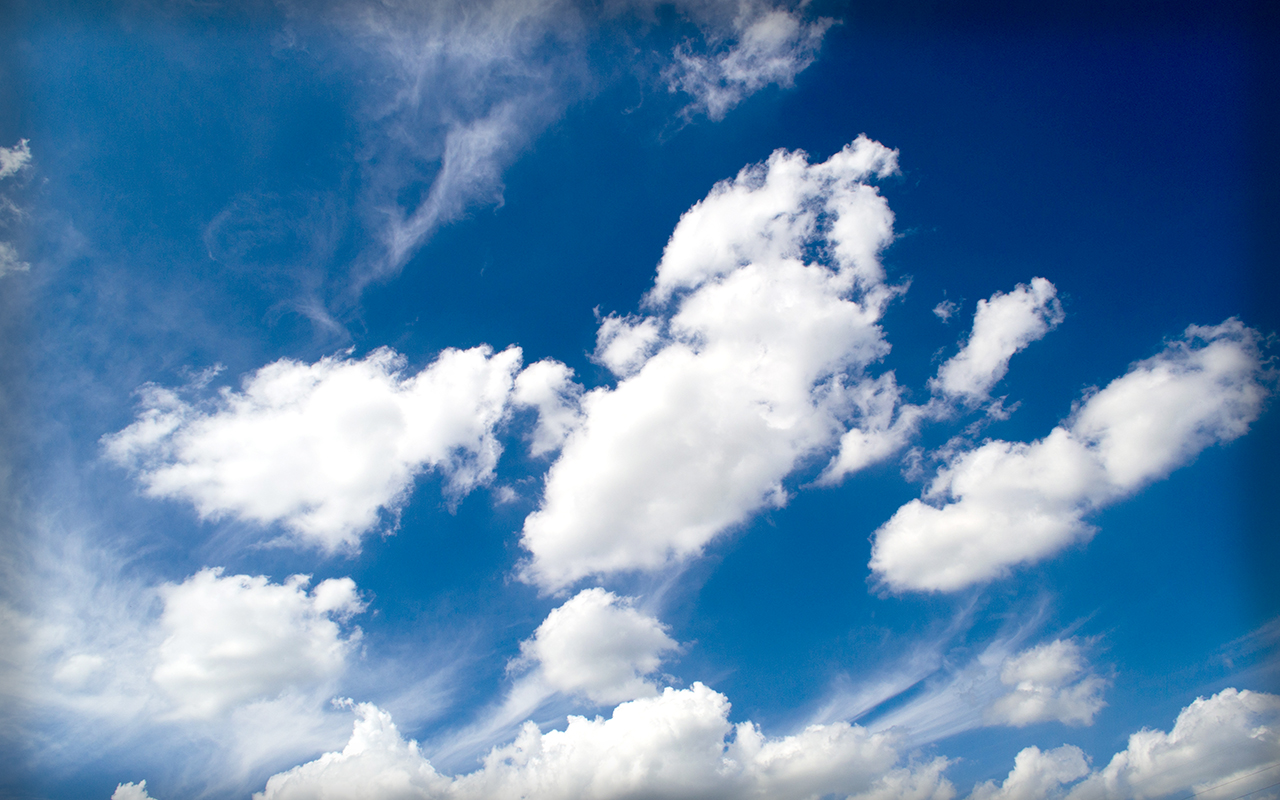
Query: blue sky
{"type": "Point", "coordinates": [706, 399]}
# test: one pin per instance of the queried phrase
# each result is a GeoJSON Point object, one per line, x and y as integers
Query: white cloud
{"type": "Point", "coordinates": [945, 310]}
{"type": "Point", "coordinates": [131, 791]}
{"type": "Point", "coordinates": [598, 646]}
{"type": "Point", "coordinates": [679, 744]}
{"type": "Point", "coordinates": [14, 159]}
{"type": "Point", "coordinates": [762, 366]}
{"type": "Point", "coordinates": [623, 344]}
{"type": "Point", "coordinates": [1036, 775]}
{"type": "Point", "coordinates": [1214, 746]}
{"type": "Point", "coordinates": [1006, 503]}
{"type": "Point", "coordinates": [1051, 681]}
{"type": "Point", "coordinates": [234, 639]}
{"type": "Point", "coordinates": [770, 47]}
{"type": "Point", "coordinates": [548, 387]}
{"type": "Point", "coordinates": [322, 447]}
{"type": "Point", "coordinates": [1002, 326]}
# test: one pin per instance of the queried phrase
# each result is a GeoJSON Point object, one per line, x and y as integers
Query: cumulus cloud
{"type": "Point", "coordinates": [13, 160]}
{"type": "Point", "coordinates": [548, 387]}
{"type": "Point", "coordinates": [1002, 326]}
{"type": "Point", "coordinates": [767, 46]}
{"type": "Point", "coordinates": [1051, 681]}
{"type": "Point", "coordinates": [1217, 748]}
{"type": "Point", "coordinates": [761, 365]}
{"type": "Point", "coordinates": [598, 646]}
{"type": "Point", "coordinates": [1036, 775]}
{"type": "Point", "coordinates": [679, 744]}
{"type": "Point", "coordinates": [322, 448]}
{"type": "Point", "coordinates": [131, 791]}
{"type": "Point", "coordinates": [234, 639]}
{"type": "Point", "coordinates": [1006, 503]}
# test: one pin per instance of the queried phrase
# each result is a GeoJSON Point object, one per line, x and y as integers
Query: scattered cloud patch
{"type": "Point", "coordinates": [15, 159]}
{"type": "Point", "coordinates": [1002, 326]}
{"type": "Point", "coordinates": [599, 646]}
{"type": "Point", "coordinates": [677, 744]}
{"type": "Point", "coordinates": [762, 365]}
{"type": "Point", "coordinates": [945, 310]}
{"type": "Point", "coordinates": [768, 47]}
{"type": "Point", "coordinates": [1006, 503]}
{"type": "Point", "coordinates": [322, 448]}
{"type": "Point", "coordinates": [548, 387]}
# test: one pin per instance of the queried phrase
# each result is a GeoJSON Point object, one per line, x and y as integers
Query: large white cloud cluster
{"type": "Point", "coordinates": [322, 447]}
{"type": "Point", "coordinates": [679, 744]}
{"type": "Point", "coordinates": [1006, 503]}
{"type": "Point", "coordinates": [751, 364]}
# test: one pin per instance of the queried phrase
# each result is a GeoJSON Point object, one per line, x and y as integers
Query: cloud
{"type": "Point", "coordinates": [231, 640]}
{"type": "Point", "coordinates": [1049, 682]}
{"type": "Point", "coordinates": [1036, 775]}
{"type": "Point", "coordinates": [760, 367]}
{"type": "Point", "coordinates": [598, 646]}
{"type": "Point", "coordinates": [1002, 326]}
{"type": "Point", "coordinates": [1215, 749]}
{"type": "Point", "coordinates": [548, 387]}
{"type": "Point", "coordinates": [679, 744]}
{"type": "Point", "coordinates": [10, 260]}
{"type": "Point", "coordinates": [770, 46]}
{"type": "Point", "coordinates": [131, 791]}
{"type": "Point", "coordinates": [322, 447]}
{"type": "Point", "coordinates": [1006, 503]}
{"type": "Point", "coordinates": [15, 159]}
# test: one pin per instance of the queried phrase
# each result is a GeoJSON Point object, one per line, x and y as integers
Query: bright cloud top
{"type": "Point", "coordinates": [598, 646]}
{"type": "Point", "coordinates": [322, 447]}
{"type": "Point", "coordinates": [1051, 681]}
{"type": "Point", "coordinates": [1002, 326]}
{"type": "Point", "coordinates": [239, 638]}
{"type": "Point", "coordinates": [755, 363]}
{"type": "Point", "coordinates": [679, 744]}
{"type": "Point", "coordinates": [1007, 503]}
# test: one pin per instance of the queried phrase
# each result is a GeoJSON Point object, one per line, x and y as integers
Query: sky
{"type": "Point", "coordinates": [626, 399]}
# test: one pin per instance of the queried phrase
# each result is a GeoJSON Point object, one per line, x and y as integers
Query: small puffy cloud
{"type": "Point", "coordinates": [14, 159]}
{"type": "Point", "coordinates": [769, 47]}
{"type": "Point", "coordinates": [1002, 326]}
{"type": "Point", "coordinates": [235, 639]}
{"type": "Point", "coordinates": [131, 791]}
{"type": "Point", "coordinates": [760, 366]}
{"type": "Point", "coordinates": [548, 387]}
{"type": "Point", "coordinates": [945, 310]}
{"type": "Point", "coordinates": [1051, 681]}
{"type": "Point", "coordinates": [679, 744]}
{"type": "Point", "coordinates": [322, 447]}
{"type": "Point", "coordinates": [1037, 775]}
{"type": "Point", "coordinates": [1007, 503]}
{"type": "Point", "coordinates": [598, 646]}
{"type": "Point", "coordinates": [1216, 750]}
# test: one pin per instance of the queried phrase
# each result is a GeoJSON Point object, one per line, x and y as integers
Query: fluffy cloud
{"type": "Point", "coordinates": [1006, 503]}
{"type": "Point", "coordinates": [131, 791]}
{"type": "Point", "coordinates": [1049, 682]}
{"type": "Point", "coordinates": [1036, 775]}
{"type": "Point", "coordinates": [761, 365]}
{"type": "Point", "coordinates": [598, 646]}
{"type": "Point", "coordinates": [770, 47]}
{"type": "Point", "coordinates": [1002, 326]}
{"type": "Point", "coordinates": [234, 639]}
{"type": "Point", "coordinates": [322, 447]}
{"type": "Point", "coordinates": [1215, 749]}
{"type": "Point", "coordinates": [679, 744]}
{"type": "Point", "coordinates": [548, 387]}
